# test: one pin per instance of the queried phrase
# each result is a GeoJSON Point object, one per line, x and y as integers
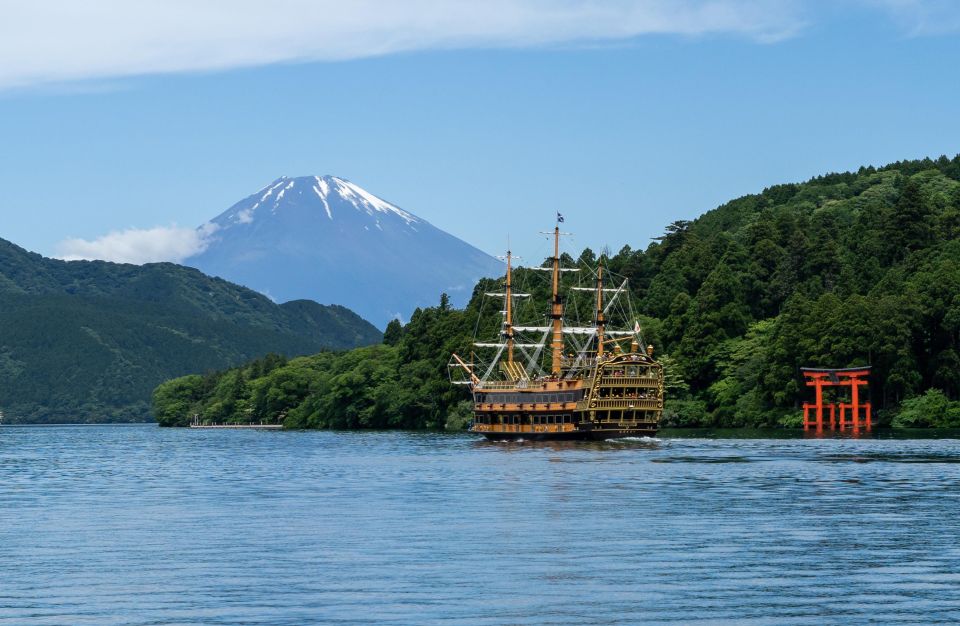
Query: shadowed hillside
{"type": "Point", "coordinates": [87, 341]}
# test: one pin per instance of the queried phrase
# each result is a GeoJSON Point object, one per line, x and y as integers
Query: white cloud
{"type": "Point", "coordinates": [923, 17]}
{"type": "Point", "coordinates": [44, 41]}
{"type": "Point", "coordinates": [138, 246]}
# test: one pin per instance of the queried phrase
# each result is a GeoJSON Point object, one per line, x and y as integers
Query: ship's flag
{"type": "Point", "coordinates": [636, 327]}
{"type": "Point", "coordinates": [559, 217]}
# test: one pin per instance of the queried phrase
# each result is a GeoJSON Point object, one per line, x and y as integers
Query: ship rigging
{"type": "Point", "coordinates": [562, 380]}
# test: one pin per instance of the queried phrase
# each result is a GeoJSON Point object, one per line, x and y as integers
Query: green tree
{"type": "Point", "coordinates": [394, 332]}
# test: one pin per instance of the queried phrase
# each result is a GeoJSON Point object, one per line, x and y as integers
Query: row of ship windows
{"type": "Point", "coordinates": [523, 419]}
{"type": "Point", "coordinates": [642, 394]}
{"type": "Point", "coordinates": [528, 398]}
{"type": "Point", "coordinates": [634, 371]}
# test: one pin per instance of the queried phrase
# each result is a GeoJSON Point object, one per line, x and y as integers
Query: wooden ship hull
{"type": "Point", "coordinates": [623, 398]}
{"type": "Point", "coordinates": [609, 389]}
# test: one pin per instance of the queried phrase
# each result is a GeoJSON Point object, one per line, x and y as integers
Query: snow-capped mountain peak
{"type": "Point", "coordinates": [327, 193]}
{"type": "Point", "coordinates": [328, 239]}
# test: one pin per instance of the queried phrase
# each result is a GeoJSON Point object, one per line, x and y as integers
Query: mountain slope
{"type": "Point", "coordinates": [326, 239]}
{"type": "Point", "coordinates": [88, 341]}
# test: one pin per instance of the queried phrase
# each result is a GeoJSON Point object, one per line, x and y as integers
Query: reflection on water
{"type": "Point", "coordinates": [140, 525]}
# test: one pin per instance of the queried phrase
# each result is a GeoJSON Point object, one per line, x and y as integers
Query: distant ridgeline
{"type": "Point", "coordinates": [842, 270]}
{"type": "Point", "coordinates": [88, 341]}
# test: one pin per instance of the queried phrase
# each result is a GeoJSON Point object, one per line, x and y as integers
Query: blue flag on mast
{"type": "Point", "coordinates": [559, 217]}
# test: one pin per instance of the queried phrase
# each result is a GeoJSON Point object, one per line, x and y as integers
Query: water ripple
{"type": "Point", "coordinates": [143, 526]}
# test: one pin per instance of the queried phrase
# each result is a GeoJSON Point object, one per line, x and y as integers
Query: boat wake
{"type": "Point", "coordinates": [631, 439]}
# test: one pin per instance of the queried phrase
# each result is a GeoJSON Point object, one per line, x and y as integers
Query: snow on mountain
{"type": "Point", "coordinates": [327, 239]}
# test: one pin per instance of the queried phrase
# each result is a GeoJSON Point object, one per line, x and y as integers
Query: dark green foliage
{"type": "Point", "coordinates": [88, 341]}
{"type": "Point", "coordinates": [844, 270]}
{"type": "Point", "coordinates": [402, 384]}
{"type": "Point", "coordinates": [393, 333]}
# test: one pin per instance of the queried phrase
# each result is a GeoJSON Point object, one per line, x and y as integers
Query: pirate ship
{"type": "Point", "coordinates": [563, 380]}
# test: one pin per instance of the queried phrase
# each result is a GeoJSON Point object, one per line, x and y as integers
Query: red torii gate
{"type": "Point", "coordinates": [852, 377]}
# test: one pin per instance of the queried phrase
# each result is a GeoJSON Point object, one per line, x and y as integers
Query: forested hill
{"type": "Point", "coordinates": [88, 341]}
{"type": "Point", "coordinates": [842, 270]}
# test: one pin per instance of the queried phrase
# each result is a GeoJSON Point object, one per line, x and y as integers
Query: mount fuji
{"type": "Point", "coordinates": [326, 239]}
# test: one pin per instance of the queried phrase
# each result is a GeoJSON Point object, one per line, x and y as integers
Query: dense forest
{"type": "Point", "coordinates": [89, 341]}
{"type": "Point", "coordinates": [843, 270]}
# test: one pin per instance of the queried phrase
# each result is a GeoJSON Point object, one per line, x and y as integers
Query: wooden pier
{"type": "Point", "coordinates": [196, 423]}
{"type": "Point", "coordinates": [238, 426]}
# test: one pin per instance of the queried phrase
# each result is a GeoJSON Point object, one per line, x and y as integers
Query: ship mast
{"type": "Point", "coordinates": [508, 323]}
{"type": "Point", "coordinates": [556, 311]}
{"type": "Point", "coordinates": [601, 322]}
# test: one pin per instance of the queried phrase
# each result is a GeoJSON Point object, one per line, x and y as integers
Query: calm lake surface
{"type": "Point", "coordinates": [142, 525]}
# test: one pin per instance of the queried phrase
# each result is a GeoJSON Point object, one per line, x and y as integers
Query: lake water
{"type": "Point", "coordinates": [142, 525]}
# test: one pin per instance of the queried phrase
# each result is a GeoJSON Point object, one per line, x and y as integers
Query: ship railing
{"type": "Point", "coordinates": [648, 404]}
{"type": "Point", "coordinates": [630, 381]}
{"type": "Point", "coordinates": [522, 428]}
{"type": "Point", "coordinates": [532, 385]}
{"type": "Point", "coordinates": [525, 406]}
{"type": "Point", "coordinates": [496, 384]}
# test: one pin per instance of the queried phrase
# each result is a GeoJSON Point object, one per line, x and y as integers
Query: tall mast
{"type": "Point", "coordinates": [601, 322]}
{"type": "Point", "coordinates": [556, 311]}
{"type": "Point", "coordinates": [508, 323]}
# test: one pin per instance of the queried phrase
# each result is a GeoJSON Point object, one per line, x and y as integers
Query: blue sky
{"type": "Point", "coordinates": [484, 131]}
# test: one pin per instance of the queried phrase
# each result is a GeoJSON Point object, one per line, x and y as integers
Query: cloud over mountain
{"type": "Point", "coordinates": [139, 245]}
